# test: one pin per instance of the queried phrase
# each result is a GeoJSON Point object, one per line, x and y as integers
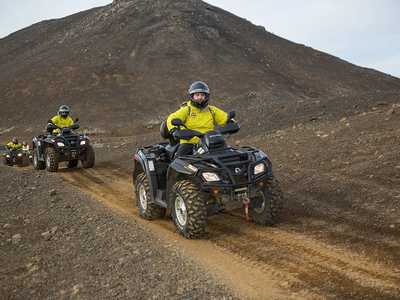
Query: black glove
{"type": "Point", "coordinates": [172, 132]}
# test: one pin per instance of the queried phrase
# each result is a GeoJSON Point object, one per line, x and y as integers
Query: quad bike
{"type": "Point", "coordinates": [15, 156]}
{"type": "Point", "coordinates": [215, 177]}
{"type": "Point", "coordinates": [51, 149]}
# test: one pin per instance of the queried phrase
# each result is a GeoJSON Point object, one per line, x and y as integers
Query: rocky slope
{"type": "Point", "coordinates": [114, 64]}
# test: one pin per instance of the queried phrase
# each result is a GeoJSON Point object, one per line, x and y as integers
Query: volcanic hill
{"type": "Point", "coordinates": [124, 67]}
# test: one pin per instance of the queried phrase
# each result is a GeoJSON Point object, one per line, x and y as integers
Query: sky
{"type": "Point", "coordinates": [363, 32]}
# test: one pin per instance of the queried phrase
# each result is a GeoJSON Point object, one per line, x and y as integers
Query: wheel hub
{"type": "Point", "coordinates": [262, 207]}
{"type": "Point", "coordinates": [180, 211]}
{"type": "Point", "coordinates": [143, 198]}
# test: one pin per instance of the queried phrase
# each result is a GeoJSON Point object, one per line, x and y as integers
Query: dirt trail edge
{"type": "Point", "coordinates": [280, 262]}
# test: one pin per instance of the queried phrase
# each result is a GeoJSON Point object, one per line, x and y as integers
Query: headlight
{"type": "Point", "coordinates": [19, 154]}
{"type": "Point", "coordinates": [259, 169]}
{"type": "Point", "coordinates": [60, 144]}
{"type": "Point", "coordinates": [7, 155]}
{"type": "Point", "coordinates": [210, 176]}
{"type": "Point", "coordinates": [83, 142]}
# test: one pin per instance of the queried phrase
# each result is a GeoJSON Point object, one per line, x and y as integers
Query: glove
{"type": "Point", "coordinates": [172, 132]}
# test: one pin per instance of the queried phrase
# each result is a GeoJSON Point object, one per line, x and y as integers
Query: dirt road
{"type": "Point", "coordinates": [283, 261]}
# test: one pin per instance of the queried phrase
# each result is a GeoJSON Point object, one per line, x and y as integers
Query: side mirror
{"type": "Point", "coordinates": [231, 114]}
{"type": "Point", "coordinates": [76, 120]}
{"type": "Point", "coordinates": [178, 122]}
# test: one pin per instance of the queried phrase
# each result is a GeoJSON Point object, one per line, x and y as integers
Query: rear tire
{"type": "Point", "coordinates": [271, 209]}
{"type": "Point", "coordinates": [37, 164]}
{"type": "Point", "coordinates": [72, 163]}
{"type": "Point", "coordinates": [188, 209]}
{"type": "Point", "coordinates": [89, 158]}
{"type": "Point", "coordinates": [147, 209]}
{"type": "Point", "coordinates": [51, 160]}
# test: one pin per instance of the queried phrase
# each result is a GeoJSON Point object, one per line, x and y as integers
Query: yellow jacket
{"type": "Point", "coordinates": [12, 145]}
{"type": "Point", "coordinates": [199, 119]}
{"type": "Point", "coordinates": [62, 122]}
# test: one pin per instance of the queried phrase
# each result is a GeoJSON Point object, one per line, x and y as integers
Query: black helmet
{"type": "Point", "coordinates": [15, 140]}
{"type": "Point", "coordinates": [199, 87]}
{"type": "Point", "coordinates": [63, 111]}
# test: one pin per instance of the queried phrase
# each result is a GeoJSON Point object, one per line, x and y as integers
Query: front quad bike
{"type": "Point", "coordinates": [215, 177]}
{"type": "Point", "coordinates": [51, 149]}
{"type": "Point", "coordinates": [15, 156]}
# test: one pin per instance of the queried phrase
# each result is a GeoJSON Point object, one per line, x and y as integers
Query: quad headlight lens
{"type": "Point", "coordinates": [60, 144]}
{"type": "Point", "coordinates": [83, 142]}
{"type": "Point", "coordinates": [259, 169]}
{"type": "Point", "coordinates": [210, 176]}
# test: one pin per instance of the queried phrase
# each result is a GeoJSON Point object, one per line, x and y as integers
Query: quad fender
{"type": "Point", "coordinates": [142, 165]}
{"type": "Point", "coordinates": [178, 170]}
{"type": "Point", "coordinates": [40, 145]}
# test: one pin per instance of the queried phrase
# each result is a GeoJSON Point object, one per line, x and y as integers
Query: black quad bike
{"type": "Point", "coordinates": [15, 156]}
{"type": "Point", "coordinates": [51, 149]}
{"type": "Point", "coordinates": [215, 177]}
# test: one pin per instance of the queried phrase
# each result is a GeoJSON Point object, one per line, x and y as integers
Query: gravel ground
{"type": "Point", "coordinates": [59, 243]}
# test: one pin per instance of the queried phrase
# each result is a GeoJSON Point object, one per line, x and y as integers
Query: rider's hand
{"type": "Point", "coordinates": [172, 131]}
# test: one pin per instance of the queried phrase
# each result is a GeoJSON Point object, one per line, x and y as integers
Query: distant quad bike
{"type": "Point", "coordinates": [15, 156]}
{"type": "Point", "coordinates": [216, 177]}
{"type": "Point", "coordinates": [49, 150]}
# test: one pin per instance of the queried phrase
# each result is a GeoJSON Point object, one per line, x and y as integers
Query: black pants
{"type": "Point", "coordinates": [184, 149]}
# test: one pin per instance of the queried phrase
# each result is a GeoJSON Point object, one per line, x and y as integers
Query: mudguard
{"type": "Point", "coordinates": [148, 167]}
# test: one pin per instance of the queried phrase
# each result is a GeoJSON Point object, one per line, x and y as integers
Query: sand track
{"type": "Point", "coordinates": [279, 262]}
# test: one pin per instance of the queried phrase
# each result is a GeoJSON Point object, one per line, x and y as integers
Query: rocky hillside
{"type": "Point", "coordinates": [114, 64]}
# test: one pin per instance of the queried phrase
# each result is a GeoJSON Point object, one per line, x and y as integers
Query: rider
{"type": "Point", "coordinates": [62, 120]}
{"type": "Point", "coordinates": [13, 144]}
{"type": "Point", "coordinates": [26, 147]}
{"type": "Point", "coordinates": [197, 115]}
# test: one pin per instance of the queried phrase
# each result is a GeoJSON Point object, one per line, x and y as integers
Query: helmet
{"type": "Point", "coordinates": [63, 111]}
{"type": "Point", "coordinates": [15, 140]}
{"type": "Point", "coordinates": [24, 143]}
{"type": "Point", "coordinates": [199, 87]}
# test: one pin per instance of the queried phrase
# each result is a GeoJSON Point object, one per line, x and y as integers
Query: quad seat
{"type": "Point", "coordinates": [173, 145]}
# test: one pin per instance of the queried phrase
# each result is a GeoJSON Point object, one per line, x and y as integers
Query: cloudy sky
{"type": "Point", "coordinates": [362, 32]}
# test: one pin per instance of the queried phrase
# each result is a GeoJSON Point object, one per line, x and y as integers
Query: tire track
{"type": "Point", "coordinates": [277, 262]}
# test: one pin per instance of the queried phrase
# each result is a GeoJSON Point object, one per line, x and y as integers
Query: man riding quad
{"type": "Point", "coordinates": [196, 174]}
{"type": "Point", "coordinates": [14, 154]}
{"type": "Point", "coordinates": [62, 119]}
{"type": "Point", "coordinates": [14, 144]}
{"type": "Point", "coordinates": [196, 114]}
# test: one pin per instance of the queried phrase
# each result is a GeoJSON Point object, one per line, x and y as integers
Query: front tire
{"type": "Point", "coordinates": [37, 164]}
{"type": "Point", "coordinates": [89, 158]}
{"type": "Point", "coordinates": [51, 160]}
{"type": "Point", "coordinates": [271, 208]}
{"type": "Point", "coordinates": [24, 161]}
{"type": "Point", "coordinates": [147, 209]}
{"type": "Point", "coordinates": [188, 209]}
{"type": "Point", "coordinates": [5, 161]}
